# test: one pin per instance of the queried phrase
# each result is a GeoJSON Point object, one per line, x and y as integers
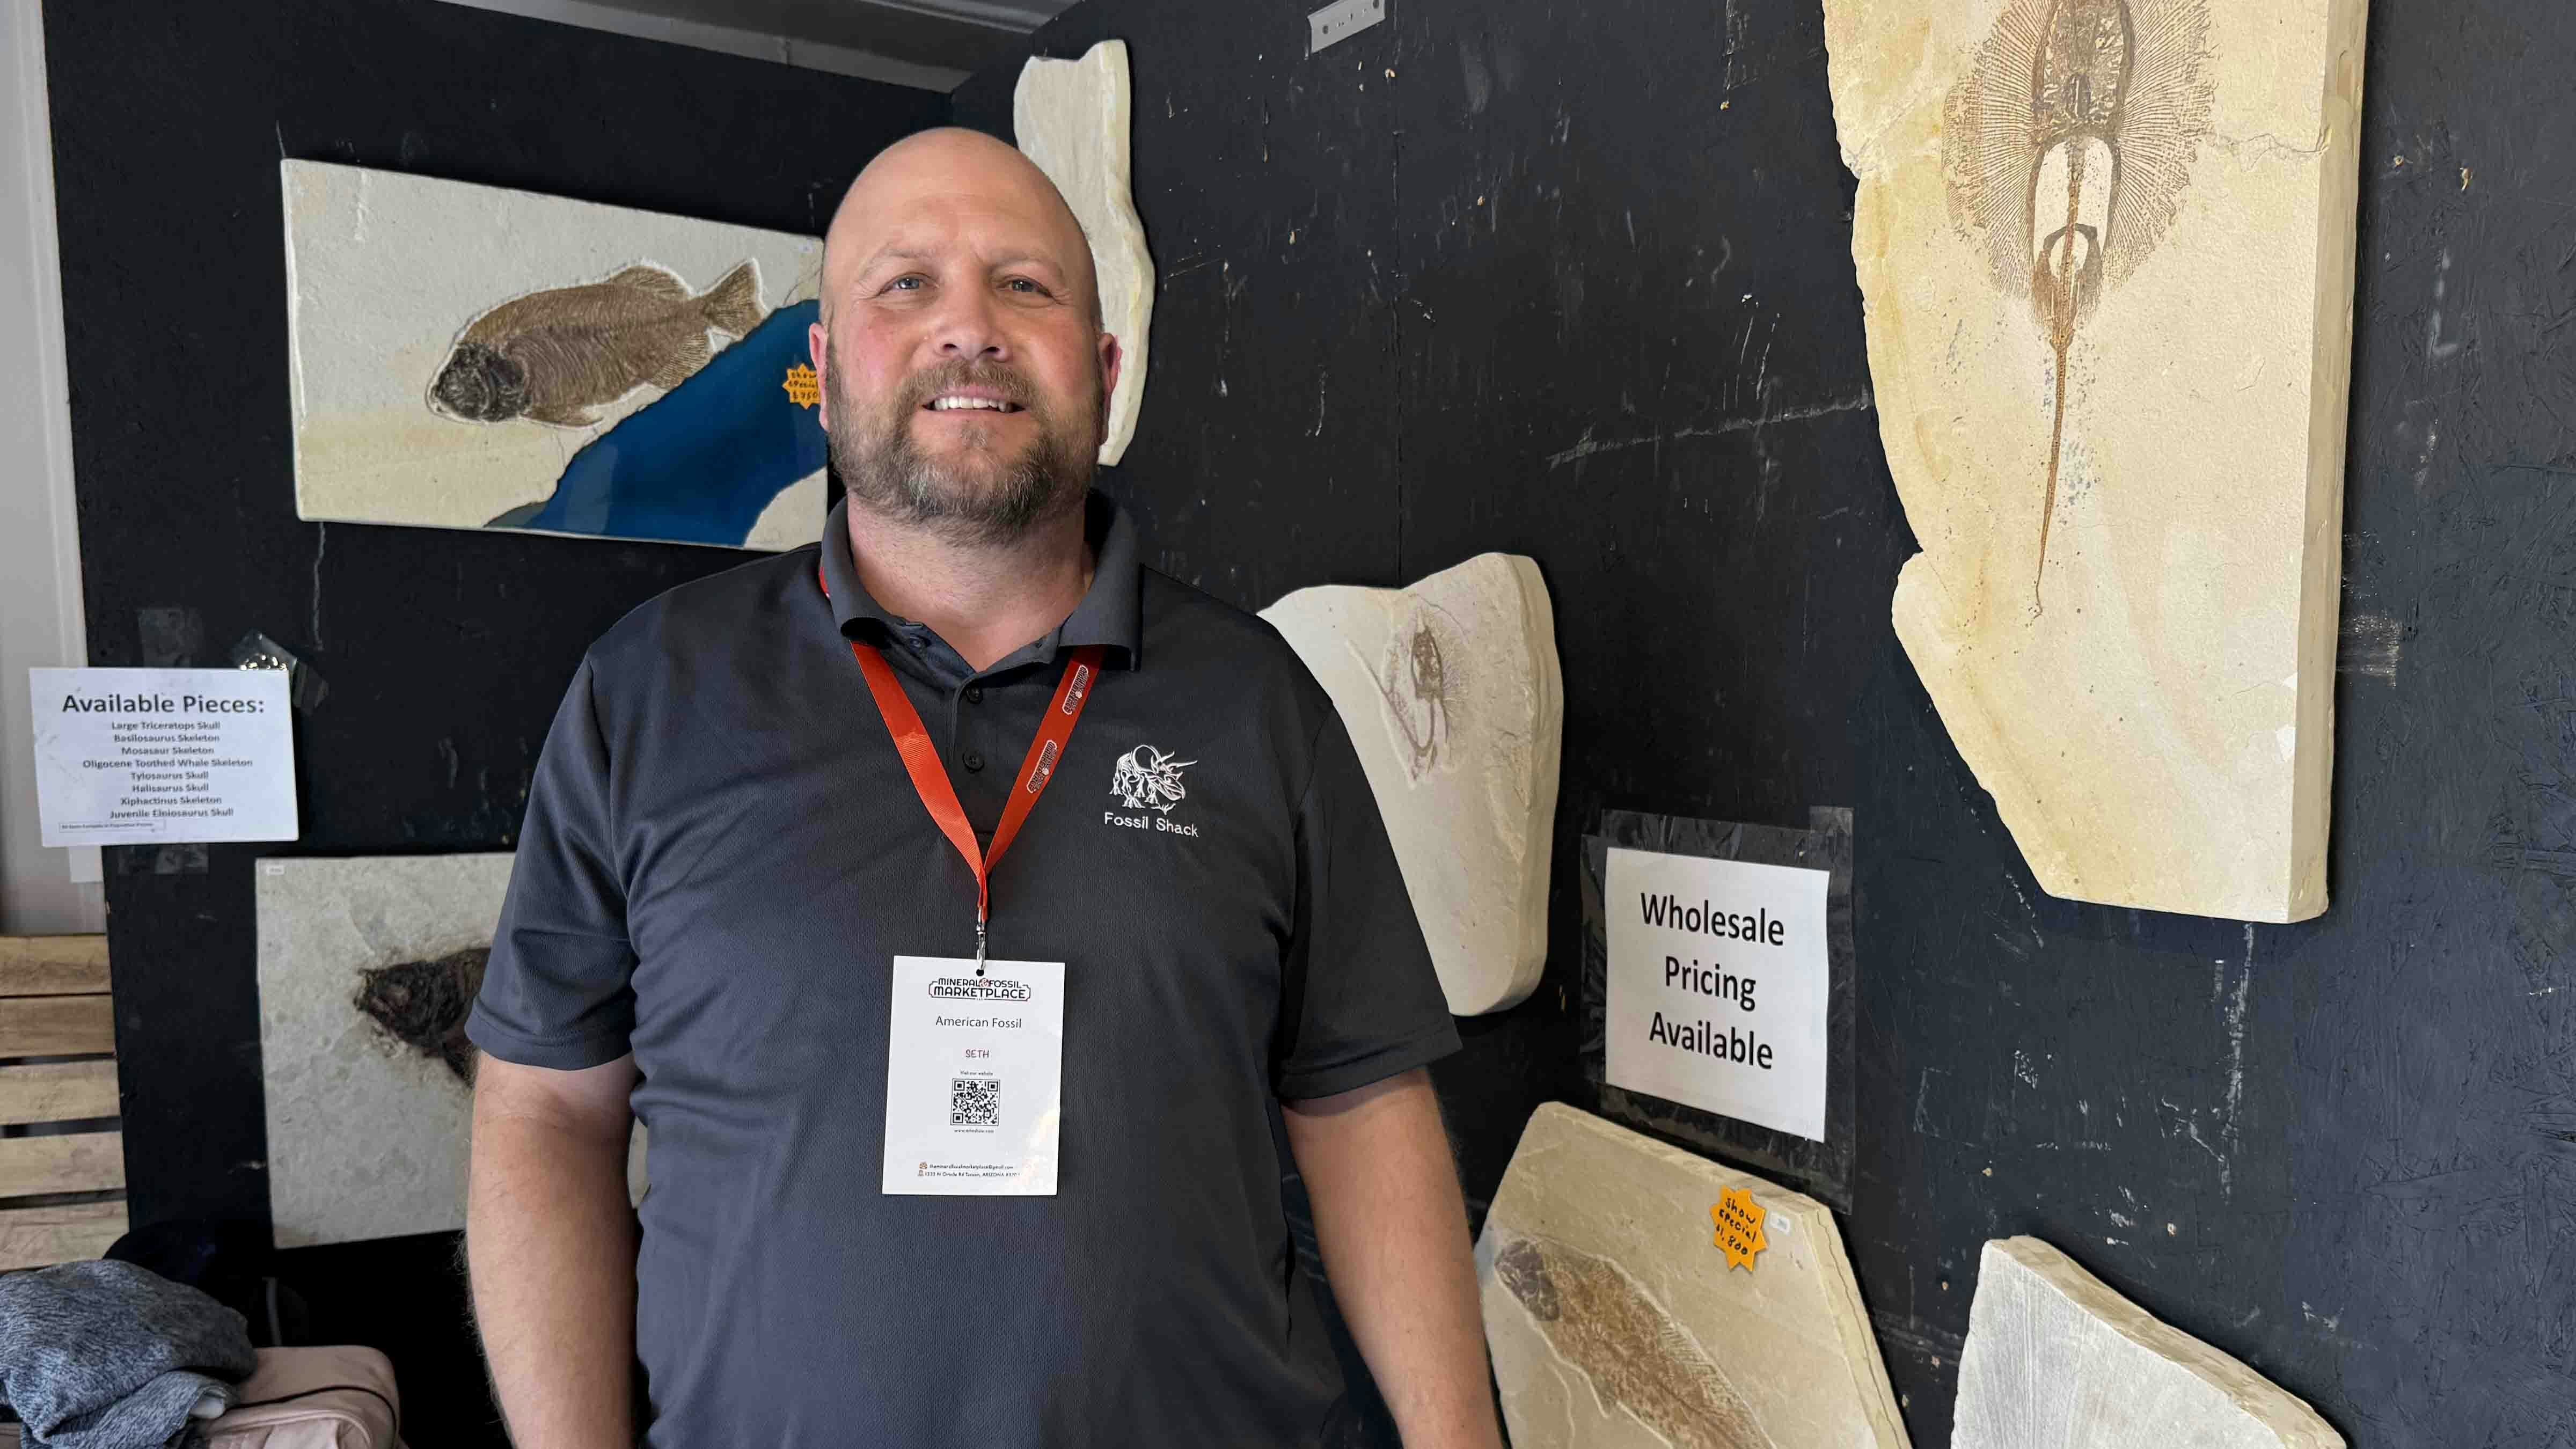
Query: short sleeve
{"type": "Point", "coordinates": [1360, 1002]}
{"type": "Point", "coordinates": [557, 991]}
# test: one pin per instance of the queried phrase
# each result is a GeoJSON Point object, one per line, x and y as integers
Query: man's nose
{"type": "Point", "coordinates": [968, 328]}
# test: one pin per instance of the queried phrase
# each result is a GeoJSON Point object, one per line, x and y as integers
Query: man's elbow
{"type": "Point", "coordinates": [587, 1106]}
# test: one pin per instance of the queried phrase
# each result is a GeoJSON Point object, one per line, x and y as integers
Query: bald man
{"type": "Point", "coordinates": [983, 925]}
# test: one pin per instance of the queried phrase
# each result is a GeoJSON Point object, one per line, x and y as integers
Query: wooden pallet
{"type": "Point", "coordinates": [58, 1066]}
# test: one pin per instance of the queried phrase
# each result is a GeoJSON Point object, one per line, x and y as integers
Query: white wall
{"type": "Point", "coordinates": [42, 891]}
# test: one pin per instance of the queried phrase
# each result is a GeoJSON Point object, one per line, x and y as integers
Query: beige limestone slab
{"type": "Point", "coordinates": [367, 1136]}
{"type": "Point", "coordinates": [1071, 117]}
{"type": "Point", "coordinates": [2106, 253]}
{"type": "Point", "coordinates": [1453, 698]}
{"type": "Point", "coordinates": [1616, 1323]}
{"type": "Point", "coordinates": [2056, 1360]}
{"type": "Point", "coordinates": [385, 271]}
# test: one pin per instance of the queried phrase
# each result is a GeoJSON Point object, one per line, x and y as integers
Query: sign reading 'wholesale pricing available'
{"type": "Point", "coordinates": [1718, 986]}
{"type": "Point", "coordinates": [139, 756]}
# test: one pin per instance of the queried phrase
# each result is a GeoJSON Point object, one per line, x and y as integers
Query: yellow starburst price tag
{"type": "Point", "coordinates": [1739, 1226]}
{"type": "Point", "coordinates": [803, 388]}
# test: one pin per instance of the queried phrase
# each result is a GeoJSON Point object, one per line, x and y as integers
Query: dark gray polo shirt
{"type": "Point", "coordinates": [722, 857]}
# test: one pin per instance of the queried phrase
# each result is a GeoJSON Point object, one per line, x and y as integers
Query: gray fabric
{"type": "Point", "coordinates": [106, 1355]}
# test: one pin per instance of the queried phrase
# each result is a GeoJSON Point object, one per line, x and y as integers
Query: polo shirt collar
{"type": "Point", "coordinates": [1110, 614]}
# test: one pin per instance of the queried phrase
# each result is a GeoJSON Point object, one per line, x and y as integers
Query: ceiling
{"type": "Point", "coordinates": [929, 43]}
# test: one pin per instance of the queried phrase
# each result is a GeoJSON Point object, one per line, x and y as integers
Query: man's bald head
{"type": "Point", "coordinates": [933, 176]}
{"type": "Point", "coordinates": [965, 375]}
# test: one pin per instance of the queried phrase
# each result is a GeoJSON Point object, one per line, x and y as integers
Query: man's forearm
{"type": "Point", "coordinates": [1393, 1229]}
{"type": "Point", "coordinates": [550, 1242]}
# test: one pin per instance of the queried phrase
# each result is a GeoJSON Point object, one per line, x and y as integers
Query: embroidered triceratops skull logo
{"type": "Point", "coordinates": [1148, 779]}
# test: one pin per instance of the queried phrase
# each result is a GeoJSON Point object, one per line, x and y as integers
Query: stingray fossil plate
{"type": "Point", "coordinates": [2067, 147]}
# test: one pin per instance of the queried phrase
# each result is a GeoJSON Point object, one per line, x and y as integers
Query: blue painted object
{"type": "Point", "coordinates": [700, 463]}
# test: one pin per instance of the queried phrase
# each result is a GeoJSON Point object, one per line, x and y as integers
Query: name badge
{"type": "Point", "coordinates": [974, 1077]}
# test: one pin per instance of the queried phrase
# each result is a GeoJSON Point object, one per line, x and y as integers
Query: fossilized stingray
{"type": "Point", "coordinates": [2067, 147]}
{"type": "Point", "coordinates": [1601, 1321]}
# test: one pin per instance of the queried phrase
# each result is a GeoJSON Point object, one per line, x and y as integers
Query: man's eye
{"type": "Point", "coordinates": [1025, 286]}
{"type": "Point", "coordinates": [907, 284]}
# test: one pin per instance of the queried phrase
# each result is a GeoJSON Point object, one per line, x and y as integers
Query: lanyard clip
{"type": "Point", "coordinates": [979, 945]}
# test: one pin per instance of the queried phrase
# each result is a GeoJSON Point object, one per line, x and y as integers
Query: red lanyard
{"type": "Point", "coordinates": [930, 778]}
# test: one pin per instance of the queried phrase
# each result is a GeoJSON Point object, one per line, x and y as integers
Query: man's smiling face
{"type": "Point", "coordinates": [965, 373]}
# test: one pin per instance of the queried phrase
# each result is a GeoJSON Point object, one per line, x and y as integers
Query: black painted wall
{"type": "Point", "coordinates": [1574, 281]}
{"type": "Point", "coordinates": [445, 652]}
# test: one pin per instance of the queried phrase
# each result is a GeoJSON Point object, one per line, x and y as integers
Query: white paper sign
{"type": "Point", "coordinates": [1718, 986]}
{"type": "Point", "coordinates": [974, 1077]}
{"type": "Point", "coordinates": [138, 756]}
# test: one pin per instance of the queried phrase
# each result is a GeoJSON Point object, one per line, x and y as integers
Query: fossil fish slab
{"type": "Point", "coordinates": [1615, 1320]}
{"type": "Point", "coordinates": [2056, 1360]}
{"type": "Point", "coordinates": [366, 968]}
{"type": "Point", "coordinates": [2106, 251]}
{"type": "Point", "coordinates": [1072, 119]}
{"type": "Point", "coordinates": [1454, 701]}
{"type": "Point", "coordinates": [1637, 1359]}
{"type": "Point", "coordinates": [464, 356]}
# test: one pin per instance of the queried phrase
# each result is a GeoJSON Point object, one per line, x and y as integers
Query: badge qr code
{"type": "Point", "coordinates": [975, 1102]}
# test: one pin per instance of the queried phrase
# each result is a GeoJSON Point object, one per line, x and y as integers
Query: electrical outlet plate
{"type": "Point", "coordinates": [1340, 21]}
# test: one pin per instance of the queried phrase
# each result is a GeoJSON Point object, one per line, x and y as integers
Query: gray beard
{"type": "Point", "coordinates": [887, 474]}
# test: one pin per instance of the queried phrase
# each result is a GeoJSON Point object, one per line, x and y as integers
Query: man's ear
{"type": "Point", "coordinates": [818, 346]}
{"type": "Point", "coordinates": [1112, 358]}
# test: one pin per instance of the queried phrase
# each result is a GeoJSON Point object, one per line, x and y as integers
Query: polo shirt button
{"type": "Point", "coordinates": [917, 642]}
{"type": "Point", "coordinates": [973, 761]}
{"type": "Point", "coordinates": [974, 694]}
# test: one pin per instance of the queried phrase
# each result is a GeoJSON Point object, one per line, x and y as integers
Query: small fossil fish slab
{"type": "Point", "coordinates": [359, 978]}
{"type": "Point", "coordinates": [2056, 1360]}
{"type": "Point", "coordinates": [1452, 696]}
{"type": "Point", "coordinates": [1615, 1320]}
{"type": "Point", "coordinates": [367, 968]}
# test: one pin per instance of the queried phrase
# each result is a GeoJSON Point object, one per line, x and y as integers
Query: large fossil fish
{"type": "Point", "coordinates": [2067, 147]}
{"type": "Point", "coordinates": [556, 355]}
{"type": "Point", "coordinates": [1637, 1358]}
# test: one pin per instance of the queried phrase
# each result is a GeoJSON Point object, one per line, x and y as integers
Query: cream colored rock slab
{"type": "Point", "coordinates": [367, 1136]}
{"type": "Point", "coordinates": [2056, 1360]}
{"type": "Point", "coordinates": [1071, 117]}
{"type": "Point", "coordinates": [1453, 699]}
{"type": "Point", "coordinates": [2106, 253]}
{"type": "Point", "coordinates": [1616, 1322]}
{"type": "Point", "coordinates": [387, 273]}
